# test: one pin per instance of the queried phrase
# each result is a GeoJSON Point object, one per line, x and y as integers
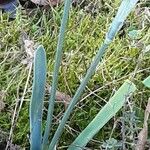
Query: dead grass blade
{"type": "Point", "coordinates": [2, 104]}
{"type": "Point", "coordinates": [142, 137]}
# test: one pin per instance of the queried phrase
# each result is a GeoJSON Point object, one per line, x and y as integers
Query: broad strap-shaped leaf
{"type": "Point", "coordinates": [106, 113]}
{"type": "Point", "coordinates": [146, 82]}
{"type": "Point", "coordinates": [123, 11]}
{"type": "Point", "coordinates": [36, 104]}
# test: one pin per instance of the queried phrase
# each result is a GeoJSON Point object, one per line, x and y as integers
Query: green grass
{"type": "Point", "coordinates": [84, 34]}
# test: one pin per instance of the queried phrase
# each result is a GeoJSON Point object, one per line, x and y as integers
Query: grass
{"type": "Point", "coordinates": [85, 32]}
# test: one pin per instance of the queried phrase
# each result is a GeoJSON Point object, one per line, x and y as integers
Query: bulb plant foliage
{"type": "Point", "coordinates": [39, 141]}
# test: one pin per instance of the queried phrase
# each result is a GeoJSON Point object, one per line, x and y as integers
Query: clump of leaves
{"type": "Point", "coordinates": [111, 108]}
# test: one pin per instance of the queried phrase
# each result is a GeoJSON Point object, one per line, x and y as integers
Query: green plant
{"type": "Point", "coordinates": [38, 87]}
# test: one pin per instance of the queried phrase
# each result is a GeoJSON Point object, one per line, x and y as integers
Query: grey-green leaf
{"type": "Point", "coordinates": [106, 113]}
{"type": "Point", "coordinates": [36, 104]}
{"type": "Point", "coordinates": [58, 58]}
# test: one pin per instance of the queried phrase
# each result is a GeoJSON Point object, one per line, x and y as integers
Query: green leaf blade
{"type": "Point", "coordinates": [123, 11]}
{"type": "Point", "coordinates": [58, 58]}
{"type": "Point", "coordinates": [36, 104]}
{"type": "Point", "coordinates": [106, 113]}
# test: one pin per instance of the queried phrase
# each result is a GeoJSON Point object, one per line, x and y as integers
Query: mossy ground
{"type": "Point", "coordinates": [85, 33]}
